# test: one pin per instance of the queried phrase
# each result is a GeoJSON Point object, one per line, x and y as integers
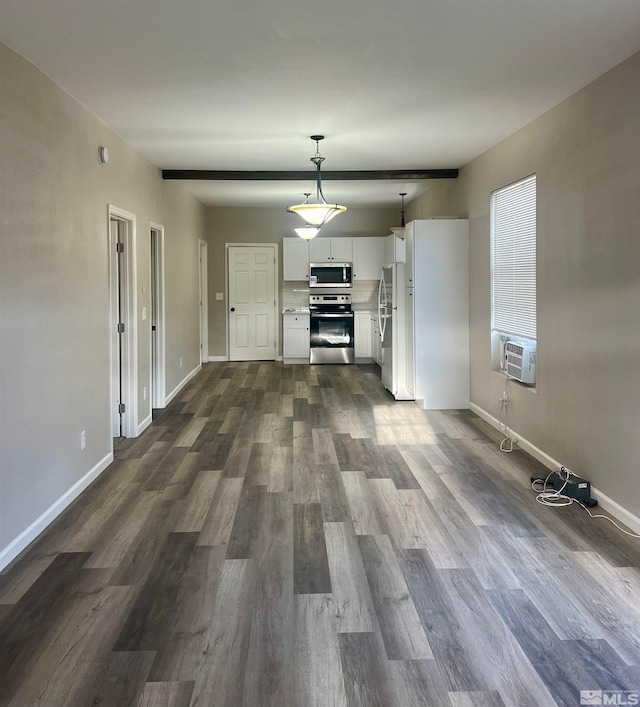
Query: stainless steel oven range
{"type": "Point", "coordinates": [331, 329]}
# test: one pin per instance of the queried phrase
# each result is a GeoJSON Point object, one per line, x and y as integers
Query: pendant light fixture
{"type": "Point", "coordinates": [399, 231]}
{"type": "Point", "coordinates": [318, 213]}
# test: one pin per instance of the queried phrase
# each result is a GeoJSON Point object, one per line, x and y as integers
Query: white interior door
{"type": "Point", "coordinates": [204, 309]}
{"type": "Point", "coordinates": [123, 323]}
{"type": "Point", "coordinates": [157, 317]}
{"type": "Point", "coordinates": [252, 303]}
{"type": "Point", "coordinates": [115, 318]}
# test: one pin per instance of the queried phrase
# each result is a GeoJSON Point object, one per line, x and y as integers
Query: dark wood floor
{"type": "Point", "coordinates": [290, 535]}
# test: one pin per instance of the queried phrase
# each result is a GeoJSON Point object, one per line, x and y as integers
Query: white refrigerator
{"type": "Point", "coordinates": [393, 330]}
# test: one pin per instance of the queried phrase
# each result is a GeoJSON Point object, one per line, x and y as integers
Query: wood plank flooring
{"type": "Point", "coordinates": [291, 536]}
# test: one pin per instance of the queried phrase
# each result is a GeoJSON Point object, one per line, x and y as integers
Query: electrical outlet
{"type": "Point", "coordinates": [144, 393]}
{"type": "Point", "coordinates": [219, 296]}
{"type": "Point", "coordinates": [180, 361]}
{"type": "Point", "coordinates": [83, 440]}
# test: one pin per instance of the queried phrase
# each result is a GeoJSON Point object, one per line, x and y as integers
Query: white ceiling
{"type": "Point", "coordinates": [393, 84]}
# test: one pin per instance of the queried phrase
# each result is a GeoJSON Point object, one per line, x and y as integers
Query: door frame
{"type": "Point", "coordinates": [128, 278]}
{"type": "Point", "coordinates": [204, 302]}
{"type": "Point", "coordinates": [157, 373]}
{"type": "Point", "coordinates": [276, 293]}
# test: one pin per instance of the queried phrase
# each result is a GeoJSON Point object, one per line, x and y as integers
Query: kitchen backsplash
{"type": "Point", "coordinates": [364, 294]}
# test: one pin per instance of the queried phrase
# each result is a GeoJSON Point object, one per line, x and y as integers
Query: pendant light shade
{"type": "Point", "coordinates": [319, 212]}
{"type": "Point", "coordinates": [307, 232]}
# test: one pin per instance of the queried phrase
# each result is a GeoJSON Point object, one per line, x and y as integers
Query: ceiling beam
{"type": "Point", "coordinates": [276, 175]}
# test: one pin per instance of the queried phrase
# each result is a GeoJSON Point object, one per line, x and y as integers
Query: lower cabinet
{"type": "Point", "coordinates": [362, 335]}
{"type": "Point", "coordinates": [295, 337]}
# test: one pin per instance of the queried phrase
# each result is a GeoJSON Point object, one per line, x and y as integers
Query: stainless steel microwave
{"type": "Point", "coordinates": [330, 274]}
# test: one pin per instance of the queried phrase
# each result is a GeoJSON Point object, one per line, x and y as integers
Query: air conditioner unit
{"type": "Point", "coordinates": [519, 361]}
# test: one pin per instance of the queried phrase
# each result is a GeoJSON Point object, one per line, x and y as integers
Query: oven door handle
{"type": "Point", "coordinates": [331, 315]}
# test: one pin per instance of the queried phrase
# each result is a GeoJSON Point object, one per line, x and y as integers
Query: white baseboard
{"type": "Point", "coordinates": [144, 424]}
{"type": "Point", "coordinates": [608, 504]}
{"type": "Point", "coordinates": [182, 384]}
{"type": "Point", "coordinates": [226, 358]}
{"type": "Point", "coordinates": [524, 444]}
{"type": "Point", "coordinates": [616, 510]}
{"type": "Point", "coordinates": [26, 537]}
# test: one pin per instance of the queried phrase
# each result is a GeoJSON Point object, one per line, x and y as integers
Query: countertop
{"type": "Point", "coordinates": [366, 309]}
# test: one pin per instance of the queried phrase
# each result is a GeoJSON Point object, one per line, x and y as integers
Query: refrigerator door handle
{"type": "Point", "coordinates": [382, 319]}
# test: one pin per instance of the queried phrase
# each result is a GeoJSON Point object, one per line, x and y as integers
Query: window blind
{"type": "Point", "coordinates": [513, 258]}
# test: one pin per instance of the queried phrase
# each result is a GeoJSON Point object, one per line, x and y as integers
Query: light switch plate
{"type": "Point", "coordinates": [219, 296]}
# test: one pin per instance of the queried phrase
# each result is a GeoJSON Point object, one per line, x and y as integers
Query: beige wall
{"type": "Point", "coordinates": [586, 154]}
{"type": "Point", "coordinates": [54, 288]}
{"type": "Point", "coordinates": [184, 219]}
{"type": "Point", "coordinates": [270, 225]}
{"type": "Point", "coordinates": [440, 199]}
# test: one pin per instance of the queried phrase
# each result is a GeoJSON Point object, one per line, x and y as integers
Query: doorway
{"type": "Point", "coordinates": [204, 304]}
{"type": "Point", "coordinates": [122, 323]}
{"type": "Point", "coordinates": [251, 317]}
{"type": "Point", "coordinates": [157, 388]}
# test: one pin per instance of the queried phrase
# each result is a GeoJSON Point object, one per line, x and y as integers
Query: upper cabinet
{"type": "Point", "coordinates": [328, 250]}
{"type": "Point", "coordinates": [395, 249]}
{"type": "Point", "coordinates": [368, 257]}
{"type": "Point", "coordinates": [295, 259]}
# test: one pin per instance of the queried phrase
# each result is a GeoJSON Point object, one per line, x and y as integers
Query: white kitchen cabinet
{"type": "Point", "coordinates": [369, 254]}
{"type": "Point", "coordinates": [376, 342]}
{"type": "Point", "coordinates": [409, 234]}
{"type": "Point", "coordinates": [410, 321]}
{"type": "Point", "coordinates": [415, 238]}
{"type": "Point", "coordinates": [295, 259]}
{"type": "Point", "coordinates": [295, 337]}
{"type": "Point", "coordinates": [320, 250]}
{"type": "Point", "coordinates": [438, 333]}
{"type": "Point", "coordinates": [362, 335]}
{"type": "Point", "coordinates": [395, 250]}
{"type": "Point", "coordinates": [328, 250]}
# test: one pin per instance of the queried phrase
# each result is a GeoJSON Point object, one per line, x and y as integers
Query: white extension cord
{"type": "Point", "coordinates": [557, 499]}
{"type": "Point", "coordinates": [546, 496]}
{"type": "Point", "coordinates": [504, 406]}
